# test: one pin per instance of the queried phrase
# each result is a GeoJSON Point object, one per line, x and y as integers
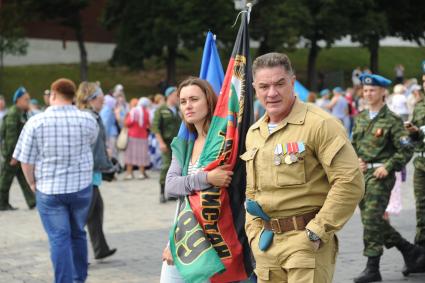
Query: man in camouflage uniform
{"type": "Point", "coordinates": [166, 124]}
{"type": "Point", "coordinates": [11, 128]}
{"type": "Point", "coordinates": [383, 147]}
{"type": "Point", "coordinates": [417, 133]}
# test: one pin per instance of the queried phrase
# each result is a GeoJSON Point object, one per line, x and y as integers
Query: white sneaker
{"type": "Point", "coordinates": [129, 177]}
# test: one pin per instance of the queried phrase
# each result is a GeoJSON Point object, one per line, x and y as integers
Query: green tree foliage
{"type": "Point", "coordinates": [12, 39]}
{"type": "Point", "coordinates": [373, 20]}
{"type": "Point", "coordinates": [407, 19]}
{"type": "Point", "coordinates": [66, 13]}
{"type": "Point", "coordinates": [282, 24]}
{"type": "Point", "coordinates": [270, 26]}
{"type": "Point", "coordinates": [162, 28]}
{"type": "Point", "coordinates": [370, 24]}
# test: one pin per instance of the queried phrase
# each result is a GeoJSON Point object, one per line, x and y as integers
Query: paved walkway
{"type": "Point", "coordinates": [138, 225]}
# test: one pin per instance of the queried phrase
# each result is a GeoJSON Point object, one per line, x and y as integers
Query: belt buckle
{"type": "Point", "coordinates": [294, 222]}
{"type": "Point", "coordinates": [275, 225]}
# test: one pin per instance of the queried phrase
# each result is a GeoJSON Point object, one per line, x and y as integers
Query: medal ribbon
{"type": "Point", "coordinates": [291, 148]}
{"type": "Point", "coordinates": [301, 147]}
{"type": "Point", "coordinates": [278, 149]}
{"type": "Point", "coordinates": [295, 147]}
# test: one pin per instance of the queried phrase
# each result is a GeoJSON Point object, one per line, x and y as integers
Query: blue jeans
{"type": "Point", "coordinates": [64, 217]}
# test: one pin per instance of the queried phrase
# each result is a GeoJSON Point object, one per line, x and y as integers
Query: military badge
{"type": "Point", "coordinates": [367, 81]}
{"type": "Point", "coordinates": [288, 159]}
{"type": "Point", "coordinates": [405, 141]}
{"type": "Point", "coordinates": [379, 132]}
{"type": "Point", "coordinates": [293, 149]}
{"type": "Point", "coordinates": [277, 155]}
{"type": "Point", "coordinates": [301, 147]}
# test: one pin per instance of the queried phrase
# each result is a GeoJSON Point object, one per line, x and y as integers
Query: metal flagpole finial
{"type": "Point", "coordinates": [249, 6]}
{"type": "Point", "coordinates": [247, 10]}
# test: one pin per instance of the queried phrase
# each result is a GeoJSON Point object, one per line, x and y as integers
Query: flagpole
{"type": "Point", "coordinates": [249, 8]}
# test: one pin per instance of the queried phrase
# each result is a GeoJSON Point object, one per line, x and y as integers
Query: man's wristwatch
{"type": "Point", "coordinates": [312, 236]}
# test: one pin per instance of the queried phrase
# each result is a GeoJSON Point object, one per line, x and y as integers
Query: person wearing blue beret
{"type": "Point", "coordinates": [34, 108]}
{"type": "Point", "coordinates": [324, 100]}
{"type": "Point", "coordinates": [416, 129]}
{"type": "Point", "coordinates": [165, 126]}
{"type": "Point", "coordinates": [374, 80]}
{"type": "Point", "coordinates": [11, 128]}
{"type": "Point", "coordinates": [383, 147]}
{"type": "Point", "coordinates": [339, 107]}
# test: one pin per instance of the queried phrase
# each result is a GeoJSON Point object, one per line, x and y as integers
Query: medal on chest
{"type": "Point", "coordinates": [291, 149]}
{"type": "Point", "coordinates": [278, 151]}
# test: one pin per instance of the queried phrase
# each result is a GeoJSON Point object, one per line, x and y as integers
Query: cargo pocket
{"type": "Point", "coordinates": [263, 273]}
{"type": "Point", "coordinates": [291, 174]}
{"type": "Point", "coordinates": [301, 260]}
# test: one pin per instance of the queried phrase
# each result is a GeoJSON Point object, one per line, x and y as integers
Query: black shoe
{"type": "Point", "coordinates": [162, 199]}
{"type": "Point", "coordinates": [31, 207]}
{"type": "Point", "coordinates": [414, 259]}
{"type": "Point", "coordinates": [8, 207]}
{"type": "Point", "coordinates": [105, 255]}
{"type": "Point", "coordinates": [371, 272]}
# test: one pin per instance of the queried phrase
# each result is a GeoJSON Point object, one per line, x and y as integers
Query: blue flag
{"type": "Point", "coordinates": [211, 71]}
{"type": "Point", "coordinates": [211, 68]}
{"type": "Point", "coordinates": [301, 91]}
{"type": "Point", "coordinates": [193, 252]}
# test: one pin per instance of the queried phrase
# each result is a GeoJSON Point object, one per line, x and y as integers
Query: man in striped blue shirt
{"type": "Point", "coordinates": [54, 149]}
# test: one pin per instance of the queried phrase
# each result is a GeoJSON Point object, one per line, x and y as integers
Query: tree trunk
{"type": "Point", "coordinates": [374, 53]}
{"type": "Point", "coordinates": [83, 52]}
{"type": "Point", "coordinates": [171, 64]}
{"type": "Point", "coordinates": [1, 70]}
{"type": "Point", "coordinates": [264, 47]}
{"type": "Point", "coordinates": [311, 65]}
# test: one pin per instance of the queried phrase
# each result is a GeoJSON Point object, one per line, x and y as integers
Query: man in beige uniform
{"type": "Point", "coordinates": [303, 173]}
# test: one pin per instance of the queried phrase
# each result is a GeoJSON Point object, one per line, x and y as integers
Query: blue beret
{"type": "Point", "coordinates": [170, 90]}
{"type": "Point", "coordinates": [376, 80]}
{"type": "Point", "coordinates": [18, 93]}
{"type": "Point", "coordinates": [338, 89]}
{"type": "Point", "coordinates": [324, 92]}
{"type": "Point", "coordinates": [34, 101]}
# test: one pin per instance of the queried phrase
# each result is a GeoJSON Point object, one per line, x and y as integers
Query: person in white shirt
{"type": "Point", "coordinates": [54, 149]}
{"type": "Point", "coordinates": [398, 103]}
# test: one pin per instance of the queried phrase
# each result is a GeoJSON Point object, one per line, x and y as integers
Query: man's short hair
{"type": "Point", "coordinates": [65, 88]}
{"type": "Point", "coordinates": [271, 60]}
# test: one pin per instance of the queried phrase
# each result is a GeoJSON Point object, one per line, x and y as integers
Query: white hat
{"type": "Point", "coordinates": [399, 89]}
{"type": "Point", "coordinates": [415, 87]}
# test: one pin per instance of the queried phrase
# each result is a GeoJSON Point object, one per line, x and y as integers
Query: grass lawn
{"type": "Point", "coordinates": [37, 78]}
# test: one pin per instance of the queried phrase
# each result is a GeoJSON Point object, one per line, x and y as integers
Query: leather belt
{"type": "Point", "coordinates": [282, 225]}
{"type": "Point", "coordinates": [374, 165]}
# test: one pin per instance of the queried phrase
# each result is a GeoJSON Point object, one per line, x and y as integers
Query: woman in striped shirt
{"type": "Point", "coordinates": [197, 103]}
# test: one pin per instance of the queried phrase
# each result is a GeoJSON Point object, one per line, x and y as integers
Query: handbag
{"type": "Point", "coordinates": [122, 140]}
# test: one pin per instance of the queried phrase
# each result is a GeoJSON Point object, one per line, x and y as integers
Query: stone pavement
{"type": "Point", "coordinates": [138, 226]}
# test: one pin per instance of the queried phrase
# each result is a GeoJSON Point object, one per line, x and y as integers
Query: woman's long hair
{"type": "Point", "coordinates": [209, 95]}
{"type": "Point", "coordinates": [85, 90]}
